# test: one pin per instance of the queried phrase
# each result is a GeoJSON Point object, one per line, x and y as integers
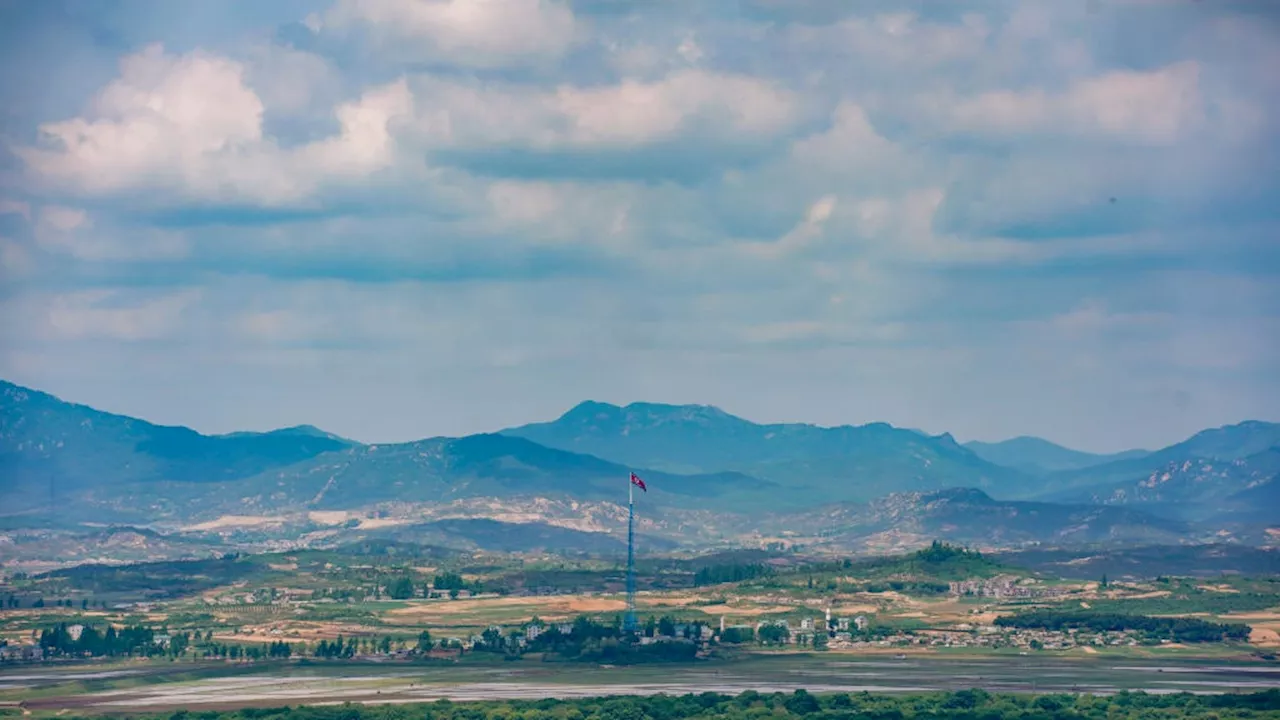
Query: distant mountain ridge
{"type": "Point", "coordinates": [1227, 444]}
{"type": "Point", "coordinates": [1038, 456]}
{"type": "Point", "coordinates": [971, 516]}
{"type": "Point", "coordinates": [90, 462]}
{"type": "Point", "coordinates": [45, 441]}
{"type": "Point", "coordinates": [838, 463]}
{"type": "Point", "coordinates": [705, 467]}
{"type": "Point", "coordinates": [1195, 487]}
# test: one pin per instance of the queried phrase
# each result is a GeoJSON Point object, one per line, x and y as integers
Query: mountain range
{"type": "Point", "coordinates": [825, 464]}
{"type": "Point", "coordinates": [1037, 456]}
{"type": "Point", "coordinates": [704, 467]}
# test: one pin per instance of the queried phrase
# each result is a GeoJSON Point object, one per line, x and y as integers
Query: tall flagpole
{"type": "Point", "coordinates": [629, 624]}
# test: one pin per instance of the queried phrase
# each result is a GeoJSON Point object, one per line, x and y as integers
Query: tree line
{"type": "Point", "coordinates": [1185, 630]}
{"type": "Point", "coordinates": [752, 705]}
{"type": "Point", "coordinates": [134, 640]}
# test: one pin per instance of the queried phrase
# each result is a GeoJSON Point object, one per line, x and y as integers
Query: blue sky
{"type": "Point", "coordinates": [402, 218]}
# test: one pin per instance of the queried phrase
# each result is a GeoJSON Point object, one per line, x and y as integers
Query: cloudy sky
{"type": "Point", "coordinates": [403, 218]}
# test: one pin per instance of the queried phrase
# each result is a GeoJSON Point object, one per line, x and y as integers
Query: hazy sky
{"type": "Point", "coordinates": [402, 218]}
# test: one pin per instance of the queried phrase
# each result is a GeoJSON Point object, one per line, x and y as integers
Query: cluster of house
{"type": "Point", "coordinates": [1003, 586]}
{"type": "Point", "coordinates": [21, 653]}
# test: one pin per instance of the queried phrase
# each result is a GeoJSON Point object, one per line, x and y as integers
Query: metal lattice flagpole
{"type": "Point", "coordinates": [630, 621]}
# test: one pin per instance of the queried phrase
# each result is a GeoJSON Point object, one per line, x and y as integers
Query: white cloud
{"type": "Point", "coordinates": [635, 113]}
{"type": "Point", "coordinates": [70, 231]}
{"type": "Point", "coordinates": [718, 107]}
{"type": "Point", "coordinates": [800, 236]}
{"type": "Point", "coordinates": [901, 41]}
{"type": "Point", "coordinates": [481, 33]}
{"type": "Point", "coordinates": [189, 123]}
{"type": "Point", "coordinates": [63, 219]}
{"type": "Point", "coordinates": [106, 314]}
{"type": "Point", "coordinates": [1159, 107]}
{"type": "Point", "coordinates": [15, 207]}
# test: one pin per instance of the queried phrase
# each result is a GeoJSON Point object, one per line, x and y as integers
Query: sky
{"type": "Point", "coordinates": [395, 219]}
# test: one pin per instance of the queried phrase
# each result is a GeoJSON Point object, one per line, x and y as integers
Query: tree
{"type": "Point", "coordinates": [667, 626]}
{"type": "Point", "coordinates": [1104, 580]}
{"type": "Point", "coordinates": [802, 703]}
{"type": "Point", "coordinates": [774, 634]}
{"type": "Point", "coordinates": [424, 642]}
{"type": "Point", "coordinates": [400, 588]}
{"type": "Point", "coordinates": [384, 645]}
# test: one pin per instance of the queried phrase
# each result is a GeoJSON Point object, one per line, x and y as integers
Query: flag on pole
{"type": "Point", "coordinates": [635, 480]}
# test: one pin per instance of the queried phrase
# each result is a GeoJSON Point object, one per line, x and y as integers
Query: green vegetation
{"type": "Point", "coordinates": [1186, 630]}
{"type": "Point", "coordinates": [715, 574]}
{"type": "Point", "coordinates": [752, 705]}
{"type": "Point", "coordinates": [90, 642]}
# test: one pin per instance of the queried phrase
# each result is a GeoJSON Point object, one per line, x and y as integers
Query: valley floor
{"type": "Point", "coordinates": [159, 687]}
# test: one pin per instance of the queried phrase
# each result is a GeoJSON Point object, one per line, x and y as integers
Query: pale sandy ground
{"type": "Point", "coordinates": [328, 517]}
{"type": "Point", "coordinates": [1265, 624]}
{"type": "Point", "coordinates": [549, 605]}
{"type": "Point", "coordinates": [1263, 615]}
{"type": "Point", "coordinates": [374, 523]}
{"type": "Point", "coordinates": [753, 611]}
{"type": "Point", "coordinates": [1218, 588]}
{"type": "Point", "coordinates": [230, 521]}
{"type": "Point", "coordinates": [293, 631]}
{"type": "Point", "coordinates": [1265, 637]}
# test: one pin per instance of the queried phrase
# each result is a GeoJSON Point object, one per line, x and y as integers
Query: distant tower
{"type": "Point", "coordinates": [721, 624]}
{"type": "Point", "coordinates": [629, 624]}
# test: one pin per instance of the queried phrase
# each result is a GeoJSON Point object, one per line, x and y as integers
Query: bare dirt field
{"type": "Point", "coordinates": [297, 630]}
{"type": "Point", "coordinates": [1265, 624]}
{"type": "Point", "coordinates": [229, 521]}
{"type": "Point", "coordinates": [740, 611]}
{"type": "Point", "coordinates": [515, 609]}
{"type": "Point", "coordinates": [1265, 637]}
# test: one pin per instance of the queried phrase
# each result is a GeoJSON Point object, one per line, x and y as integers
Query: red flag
{"type": "Point", "coordinates": [635, 480]}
